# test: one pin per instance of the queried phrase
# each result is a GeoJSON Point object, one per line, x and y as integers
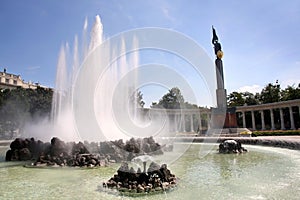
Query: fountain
{"type": "Point", "coordinates": [262, 173]}
{"type": "Point", "coordinates": [115, 111]}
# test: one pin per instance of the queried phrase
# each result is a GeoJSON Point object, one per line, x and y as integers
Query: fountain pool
{"type": "Point", "coordinates": [262, 173]}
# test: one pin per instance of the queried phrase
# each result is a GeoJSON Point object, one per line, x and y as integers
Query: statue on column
{"type": "Point", "coordinates": [217, 45]}
{"type": "Point", "coordinates": [221, 112]}
{"type": "Point", "coordinates": [218, 62]}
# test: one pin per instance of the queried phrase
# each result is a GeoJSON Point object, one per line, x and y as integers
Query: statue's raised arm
{"type": "Point", "coordinates": [215, 37]}
{"type": "Point", "coordinates": [215, 41]}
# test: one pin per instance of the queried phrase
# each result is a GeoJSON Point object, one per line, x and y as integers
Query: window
{"type": "Point", "coordinates": [7, 80]}
{"type": "Point", "coordinates": [15, 82]}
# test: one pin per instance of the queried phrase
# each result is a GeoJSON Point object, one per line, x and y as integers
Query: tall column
{"type": "Point", "coordinates": [208, 121]}
{"type": "Point", "coordinates": [292, 118]}
{"type": "Point", "coordinates": [263, 126]}
{"type": "Point", "coordinates": [272, 119]}
{"type": "Point", "coordinates": [192, 123]}
{"type": "Point", "coordinates": [253, 120]}
{"type": "Point", "coordinates": [244, 119]}
{"type": "Point", "coordinates": [172, 122]}
{"type": "Point", "coordinates": [176, 123]}
{"type": "Point", "coordinates": [220, 92]}
{"type": "Point", "coordinates": [200, 122]}
{"type": "Point", "coordinates": [183, 125]}
{"type": "Point", "coordinates": [282, 126]}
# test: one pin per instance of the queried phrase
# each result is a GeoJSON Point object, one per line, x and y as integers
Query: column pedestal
{"type": "Point", "coordinates": [224, 118]}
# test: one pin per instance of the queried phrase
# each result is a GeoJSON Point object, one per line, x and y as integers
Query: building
{"type": "Point", "coordinates": [12, 81]}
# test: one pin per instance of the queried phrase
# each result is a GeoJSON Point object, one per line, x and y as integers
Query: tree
{"type": "Point", "coordinates": [137, 99]}
{"type": "Point", "coordinates": [251, 99]}
{"type": "Point", "coordinates": [290, 93]}
{"type": "Point", "coordinates": [235, 99]}
{"type": "Point", "coordinates": [172, 100]}
{"type": "Point", "coordinates": [271, 93]}
{"type": "Point", "coordinates": [19, 105]}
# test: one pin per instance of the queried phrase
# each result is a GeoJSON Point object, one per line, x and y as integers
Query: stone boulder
{"type": "Point", "coordinates": [24, 149]}
{"type": "Point", "coordinates": [127, 180]}
{"type": "Point", "coordinates": [231, 146]}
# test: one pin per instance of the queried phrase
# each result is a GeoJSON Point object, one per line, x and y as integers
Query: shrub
{"type": "Point", "coordinates": [276, 133]}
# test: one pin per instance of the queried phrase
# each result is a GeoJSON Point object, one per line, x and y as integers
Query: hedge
{"type": "Point", "coordinates": [276, 133]}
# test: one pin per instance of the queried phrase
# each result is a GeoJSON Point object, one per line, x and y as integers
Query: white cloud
{"type": "Point", "coordinates": [33, 68]}
{"type": "Point", "coordinates": [252, 88]}
{"type": "Point", "coordinates": [167, 14]}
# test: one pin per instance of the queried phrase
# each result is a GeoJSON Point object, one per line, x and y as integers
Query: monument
{"type": "Point", "coordinates": [222, 117]}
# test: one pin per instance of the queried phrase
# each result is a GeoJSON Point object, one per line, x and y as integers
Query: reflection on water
{"type": "Point", "coordinates": [262, 173]}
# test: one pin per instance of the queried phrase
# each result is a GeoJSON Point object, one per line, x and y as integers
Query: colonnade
{"type": "Point", "coordinates": [186, 120]}
{"type": "Point", "coordinates": [270, 109]}
{"type": "Point", "coordinates": [194, 120]}
{"type": "Point", "coordinates": [189, 121]}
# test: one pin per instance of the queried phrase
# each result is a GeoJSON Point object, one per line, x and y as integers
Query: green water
{"type": "Point", "coordinates": [262, 173]}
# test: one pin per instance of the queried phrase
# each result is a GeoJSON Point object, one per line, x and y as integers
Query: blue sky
{"type": "Point", "coordinates": [260, 39]}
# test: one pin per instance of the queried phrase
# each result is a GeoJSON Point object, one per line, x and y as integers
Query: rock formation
{"type": "Point", "coordinates": [156, 179]}
{"type": "Point", "coordinates": [59, 153]}
{"type": "Point", "coordinates": [231, 146]}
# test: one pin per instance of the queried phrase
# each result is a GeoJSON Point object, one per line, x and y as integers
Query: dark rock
{"type": "Point", "coordinates": [8, 155]}
{"type": "Point", "coordinates": [58, 153]}
{"type": "Point", "coordinates": [24, 154]}
{"type": "Point", "coordinates": [79, 148]}
{"type": "Point", "coordinates": [58, 147]}
{"type": "Point", "coordinates": [231, 146]}
{"type": "Point", "coordinates": [18, 143]}
{"type": "Point", "coordinates": [157, 178]}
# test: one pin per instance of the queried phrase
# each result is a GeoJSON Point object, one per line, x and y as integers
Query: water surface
{"type": "Point", "coordinates": [262, 173]}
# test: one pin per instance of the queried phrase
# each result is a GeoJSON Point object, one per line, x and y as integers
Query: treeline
{"type": "Point", "coordinates": [20, 105]}
{"type": "Point", "coordinates": [173, 99]}
{"type": "Point", "coordinates": [270, 93]}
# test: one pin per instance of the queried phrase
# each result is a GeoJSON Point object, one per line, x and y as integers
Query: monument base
{"type": "Point", "coordinates": [223, 118]}
{"type": "Point", "coordinates": [230, 119]}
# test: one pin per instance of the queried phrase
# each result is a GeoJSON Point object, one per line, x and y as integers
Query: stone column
{"type": "Point", "coordinates": [176, 123]}
{"type": "Point", "coordinates": [282, 127]}
{"type": "Point", "coordinates": [244, 119]}
{"type": "Point", "coordinates": [183, 123]}
{"type": "Point", "coordinates": [192, 123]}
{"type": "Point", "coordinates": [292, 118]}
{"type": "Point", "coordinates": [208, 121]}
{"type": "Point", "coordinates": [200, 122]}
{"type": "Point", "coordinates": [263, 126]}
{"type": "Point", "coordinates": [253, 120]}
{"type": "Point", "coordinates": [272, 119]}
{"type": "Point", "coordinates": [171, 122]}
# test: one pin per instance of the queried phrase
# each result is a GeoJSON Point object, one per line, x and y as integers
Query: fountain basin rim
{"type": "Point", "coordinates": [274, 141]}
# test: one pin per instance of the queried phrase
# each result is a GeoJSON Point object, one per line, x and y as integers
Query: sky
{"type": "Point", "coordinates": [260, 38]}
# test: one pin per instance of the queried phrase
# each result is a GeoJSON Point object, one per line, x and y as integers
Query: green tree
{"type": "Point", "coordinates": [270, 94]}
{"type": "Point", "coordinates": [137, 99]}
{"type": "Point", "coordinates": [251, 99]}
{"type": "Point", "coordinates": [20, 105]}
{"type": "Point", "coordinates": [40, 102]}
{"type": "Point", "coordinates": [290, 93]}
{"type": "Point", "coordinates": [235, 99]}
{"type": "Point", "coordinates": [172, 100]}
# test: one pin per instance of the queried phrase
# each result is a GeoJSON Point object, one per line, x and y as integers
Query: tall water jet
{"type": "Point", "coordinates": [96, 34]}
{"type": "Point", "coordinates": [66, 77]}
{"type": "Point", "coordinates": [60, 86]}
{"type": "Point", "coordinates": [84, 39]}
